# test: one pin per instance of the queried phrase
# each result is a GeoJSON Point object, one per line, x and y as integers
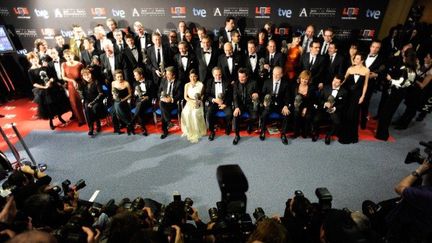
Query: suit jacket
{"type": "Point", "coordinates": [341, 98]}
{"type": "Point", "coordinates": [182, 74]}
{"type": "Point", "coordinates": [335, 67]}
{"type": "Point", "coordinates": [60, 50]}
{"type": "Point", "coordinates": [238, 99]}
{"type": "Point", "coordinates": [151, 54]}
{"type": "Point", "coordinates": [278, 60]}
{"type": "Point", "coordinates": [86, 57]}
{"type": "Point", "coordinates": [177, 92]}
{"type": "Point", "coordinates": [317, 68]}
{"type": "Point", "coordinates": [148, 41]}
{"type": "Point", "coordinates": [205, 71]}
{"type": "Point", "coordinates": [227, 90]}
{"type": "Point", "coordinates": [151, 91]}
{"type": "Point", "coordinates": [377, 66]}
{"type": "Point", "coordinates": [253, 73]}
{"type": "Point", "coordinates": [284, 95]}
{"type": "Point", "coordinates": [223, 63]}
{"type": "Point", "coordinates": [106, 67]}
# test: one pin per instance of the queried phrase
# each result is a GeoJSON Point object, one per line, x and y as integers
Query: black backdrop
{"type": "Point", "coordinates": [43, 18]}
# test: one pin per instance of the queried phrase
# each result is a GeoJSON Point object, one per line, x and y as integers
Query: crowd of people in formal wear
{"type": "Point", "coordinates": [308, 83]}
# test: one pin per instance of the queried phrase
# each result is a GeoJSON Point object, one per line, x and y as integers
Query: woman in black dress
{"type": "Point", "coordinates": [305, 98]}
{"type": "Point", "coordinates": [92, 96]}
{"type": "Point", "coordinates": [356, 82]}
{"type": "Point", "coordinates": [122, 95]}
{"type": "Point", "coordinates": [48, 91]}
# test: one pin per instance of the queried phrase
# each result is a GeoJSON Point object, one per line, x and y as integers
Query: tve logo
{"type": "Point", "coordinates": [287, 13]}
{"type": "Point", "coordinates": [199, 12]}
{"type": "Point", "coordinates": [43, 13]}
{"type": "Point", "coordinates": [119, 13]}
{"type": "Point", "coordinates": [66, 33]}
{"type": "Point", "coordinates": [375, 14]}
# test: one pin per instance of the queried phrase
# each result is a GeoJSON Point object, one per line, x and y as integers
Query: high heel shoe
{"type": "Point", "coordinates": [61, 120]}
{"type": "Point", "coordinates": [51, 124]}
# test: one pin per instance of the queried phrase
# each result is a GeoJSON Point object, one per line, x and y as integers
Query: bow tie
{"type": "Point", "coordinates": [134, 48]}
{"type": "Point", "coordinates": [228, 57]}
{"type": "Point", "coordinates": [207, 52]}
{"type": "Point", "coordinates": [372, 56]}
{"type": "Point", "coordinates": [184, 56]}
{"type": "Point", "coordinates": [56, 61]}
{"type": "Point", "coordinates": [336, 89]}
{"type": "Point", "coordinates": [228, 30]}
{"type": "Point", "coordinates": [218, 82]}
{"type": "Point", "coordinates": [252, 56]}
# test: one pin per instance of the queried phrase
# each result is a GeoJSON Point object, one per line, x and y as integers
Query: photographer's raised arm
{"type": "Point", "coordinates": [409, 180]}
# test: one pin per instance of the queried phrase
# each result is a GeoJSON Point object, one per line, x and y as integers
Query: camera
{"type": "Point", "coordinates": [414, 156]}
{"type": "Point", "coordinates": [72, 230]}
{"type": "Point", "coordinates": [259, 214]}
{"type": "Point", "coordinates": [66, 186]}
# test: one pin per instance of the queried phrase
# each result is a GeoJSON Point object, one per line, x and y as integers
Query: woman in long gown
{"type": "Point", "coordinates": [48, 92]}
{"type": "Point", "coordinates": [292, 63]}
{"type": "Point", "coordinates": [356, 82]}
{"type": "Point", "coordinates": [122, 94]}
{"type": "Point", "coordinates": [71, 73]}
{"type": "Point", "coordinates": [192, 117]}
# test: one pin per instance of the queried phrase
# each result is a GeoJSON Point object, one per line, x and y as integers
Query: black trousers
{"type": "Point", "coordinates": [166, 109]}
{"type": "Point", "coordinates": [93, 114]}
{"type": "Point", "coordinates": [140, 109]}
{"type": "Point", "coordinates": [302, 123]}
{"type": "Point", "coordinates": [323, 116]}
{"type": "Point", "coordinates": [211, 116]}
{"type": "Point", "coordinates": [265, 114]}
{"type": "Point", "coordinates": [395, 98]}
{"type": "Point", "coordinates": [253, 116]}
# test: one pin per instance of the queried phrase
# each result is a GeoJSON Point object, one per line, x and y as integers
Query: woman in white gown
{"type": "Point", "coordinates": [192, 117]}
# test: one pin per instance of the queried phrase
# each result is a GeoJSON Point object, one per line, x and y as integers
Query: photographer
{"type": "Point", "coordinates": [26, 182]}
{"type": "Point", "coordinates": [411, 220]}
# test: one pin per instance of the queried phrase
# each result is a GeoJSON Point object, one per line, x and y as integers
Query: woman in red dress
{"type": "Point", "coordinates": [292, 63]}
{"type": "Point", "coordinates": [71, 72]}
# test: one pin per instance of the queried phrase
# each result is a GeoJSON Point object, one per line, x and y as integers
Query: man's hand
{"type": "Point", "coordinates": [267, 66]}
{"type": "Point", "coordinates": [237, 112]}
{"type": "Point", "coordinates": [285, 111]}
{"type": "Point", "coordinates": [373, 75]}
{"type": "Point", "coordinates": [255, 96]}
{"type": "Point", "coordinates": [195, 217]}
{"type": "Point", "coordinates": [320, 86]}
{"type": "Point", "coordinates": [144, 98]}
{"type": "Point", "coordinates": [8, 213]}
{"type": "Point", "coordinates": [217, 101]}
{"type": "Point", "coordinates": [327, 105]}
{"type": "Point", "coordinates": [222, 106]}
{"type": "Point", "coordinates": [91, 237]}
{"type": "Point", "coordinates": [158, 73]}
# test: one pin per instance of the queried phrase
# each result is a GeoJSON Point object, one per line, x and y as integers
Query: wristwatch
{"type": "Point", "coordinates": [415, 174]}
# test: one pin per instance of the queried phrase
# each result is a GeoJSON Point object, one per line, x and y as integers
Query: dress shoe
{"type": "Point", "coordinates": [130, 129]}
{"type": "Point", "coordinates": [164, 135]}
{"type": "Point", "coordinates": [119, 132]}
{"type": "Point", "coordinates": [295, 135]}
{"type": "Point", "coordinates": [249, 129]}
{"type": "Point", "coordinates": [314, 137]}
{"type": "Point", "coordinates": [284, 139]}
{"type": "Point", "coordinates": [228, 131]}
{"type": "Point", "coordinates": [400, 127]}
{"type": "Point", "coordinates": [91, 133]}
{"type": "Point", "coordinates": [327, 140]}
{"type": "Point", "coordinates": [236, 139]}
{"type": "Point", "coordinates": [81, 124]}
{"type": "Point", "coordinates": [98, 128]}
{"type": "Point", "coordinates": [212, 136]}
{"type": "Point", "coordinates": [262, 136]}
{"type": "Point", "coordinates": [145, 133]}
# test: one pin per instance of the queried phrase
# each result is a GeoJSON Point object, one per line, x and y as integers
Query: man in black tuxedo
{"type": "Point", "coordinates": [158, 58]}
{"type": "Point", "coordinates": [272, 59]}
{"type": "Point", "coordinates": [112, 26]}
{"type": "Point", "coordinates": [335, 64]}
{"type": "Point", "coordinates": [55, 63]}
{"type": "Point", "coordinates": [229, 63]}
{"type": "Point", "coordinates": [133, 57]}
{"type": "Point", "coordinates": [173, 42]}
{"type": "Point", "coordinates": [219, 95]}
{"type": "Point", "coordinates": [144, 92]}
{"type": "Point", "coordinates": [315, 63]}
{"type": "Point", "coordinates": [111, 61]}
{"type": "Point", "coordinates": [142, 38]}
{"type": "Point", "coordinates": [119, 44]}
{"type": "Point", "coordinates": [307, 38]}
{"type": "Point", "coordinates": [60, 46]}
{"type": "Point", "coordinates": [184, 61]}
{"type": "Point", "coordinates": [99, 36]}
{"type": "Point", "coordinates": [170, 93]}
{"type": "Point", "coordinates": [237, 43]}
{"type": "Point", "coordinates": [327, 38]}
{"type": "Point", "coordinates": [207, 59]}
{"type": "Point", "coordinates": [279, 93]}
{"type": "Point", "coordinates": [376, 64]}
{"type": "Point", "coordinates": [225, 32]}
{"type": "Point", "coordinates": [181, 28]}
{"type": "Point", "coordinates": [246, 100]}
{"type": "Point", "coordinates": [331, 106]}
{"type": "Point", "coordinates": [251, 63]}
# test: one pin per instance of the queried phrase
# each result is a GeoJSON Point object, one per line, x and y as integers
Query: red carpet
{"type": "Point", "coordinates": [22, 112]}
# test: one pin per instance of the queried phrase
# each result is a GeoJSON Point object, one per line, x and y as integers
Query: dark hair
{"type": "Point", "coordinates": [123, 226]}
{"type": "Point", "coordinates": [362, 55]}
{"type": "Point", "coordinates": [129, 36]}
{"type": "Point", "coordinates": [339, 76]}
{"type": "Point", "coordinates": [138, 70]}
{"type": "Point", "coordinates": [229, 18]}
{"type": "Point", "coordinates": [193, 71]}
{"type": "Point", "coordinates": [314, 41]}
{"type": "Point", "coordinates": [243, 70]}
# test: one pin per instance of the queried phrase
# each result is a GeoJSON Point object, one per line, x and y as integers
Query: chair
{"type": "Point", "coordinates": [177, 111]}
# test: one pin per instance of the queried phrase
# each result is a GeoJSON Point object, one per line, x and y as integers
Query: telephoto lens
{"type": "Point", "coordinates": [259, 214]}
{"type": "Point", "coordinates": [213, 214]}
